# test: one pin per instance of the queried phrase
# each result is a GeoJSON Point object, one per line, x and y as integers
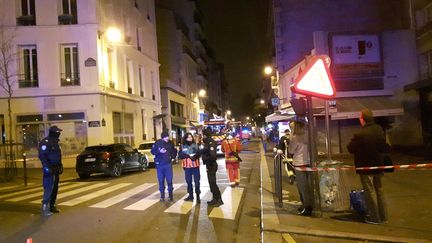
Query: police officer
{"type": "Point", "coordinates": [165, 153]}
{"type": "Point", "coordinates": [50, 156]}
{"type": "Point", "coordinates": [209, 157]}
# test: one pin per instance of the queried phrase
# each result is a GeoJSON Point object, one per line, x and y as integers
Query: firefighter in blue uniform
{"type": "Point", "coordinates": [165, 153]}
{"type": "Point", "coordinates": [50, 156]}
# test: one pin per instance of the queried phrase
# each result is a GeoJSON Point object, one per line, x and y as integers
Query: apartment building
{"type": "Point", "coordinates": [88, 66]}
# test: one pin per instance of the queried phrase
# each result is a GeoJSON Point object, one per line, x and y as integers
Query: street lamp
{"type": "Point", "coordinates": [247, 118]}
{"type": "Point", "coordinates": [268, 70]}
{"type": "Point", "coordinates": [113, 34]}
{"type": "Point", "coordinates": [228, 112]}
{"type": "Point", "coordinates": [262, 102]}
{"type": "Point", "coordinates": [202, 93]}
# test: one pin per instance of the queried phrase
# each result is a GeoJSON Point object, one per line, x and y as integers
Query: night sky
{"type": "Point", "coordinates": [238, 32]}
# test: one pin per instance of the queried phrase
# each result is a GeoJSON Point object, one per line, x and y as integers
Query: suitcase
{"type": "Point", "coordinates": [357, 202]}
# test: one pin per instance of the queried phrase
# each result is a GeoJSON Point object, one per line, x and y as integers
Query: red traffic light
{"type": "Point", "coordinates": [316, 79]}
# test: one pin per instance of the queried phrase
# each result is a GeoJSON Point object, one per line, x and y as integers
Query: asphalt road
{"type": "Point", "coordinates": [127, 209]}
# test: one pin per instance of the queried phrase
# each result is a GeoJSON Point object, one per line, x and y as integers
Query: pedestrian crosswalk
{"type": "Point", "coordinates": [126, 196]}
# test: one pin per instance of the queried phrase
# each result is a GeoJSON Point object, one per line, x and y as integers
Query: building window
{"type": "Point", "coordinates": [123, 128]}
{"type": "Point", "coordinates": [425, 65]}
{"type": "Point", "coordinates": [28, 67]}
{"type": "Point", "coordinates": [28, 16]}
{"type": "Point", "coordinates": [140, 75]}
{"type": "Point", "coordinates": [110, 72]}
{"type": "Point", "coordinates": [68, 12]}
{"type": "Point", "coordinates": [129, 70]}
{"type": "Point", "coordinates": [69, 65]}
{"type": "Point", "coordinates": [153, 85]}
{"type": "Point", "coordinates": [176, 109]}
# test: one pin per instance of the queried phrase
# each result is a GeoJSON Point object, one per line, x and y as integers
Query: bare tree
{"type": "Point", "coordinates": [8, 76]}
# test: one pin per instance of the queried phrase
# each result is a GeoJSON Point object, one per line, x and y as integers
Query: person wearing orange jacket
{"type": "Point", "coordinates": [231, 147]}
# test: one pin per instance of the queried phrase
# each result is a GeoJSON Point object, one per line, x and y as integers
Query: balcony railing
{"type": "Point", "coordinates": [67, 19]}
{"type": "Point", "coordinates": [26, 20]}
{"type": "Point", "coordinates": [70, 79]}
{"type": "Point", "coordinates": [23, 83]}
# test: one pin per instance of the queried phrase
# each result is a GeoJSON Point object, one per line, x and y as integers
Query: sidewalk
{"type": "Point", "coordinates": [408, 200]}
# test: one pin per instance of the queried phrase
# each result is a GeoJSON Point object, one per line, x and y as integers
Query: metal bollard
{"type": "Point", "coordinates": [25, 168]}
{"type": "Point", "coordinates": [278, 178]}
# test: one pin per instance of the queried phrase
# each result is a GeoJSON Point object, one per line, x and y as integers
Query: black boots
{"type": "Point", "coordinates": [189, 198]}
{"type": "Point", "coordinates": [215, 202]}
{"type": "Point", "coordinates": [53, 209]}
{"type": "Point", "coordinates": [45, 211]}
{"type": "Point", "coordinates": [306, 212]}
{"type": "Point", "coordinates": [198, 200]}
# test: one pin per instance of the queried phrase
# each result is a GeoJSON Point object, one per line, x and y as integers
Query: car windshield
{"type": "Point", "coordinates": [98, 149]}
{"type": "Point", "coordinates": [145, 146]}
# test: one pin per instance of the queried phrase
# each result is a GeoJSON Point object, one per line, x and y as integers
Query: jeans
{"type": "Point", "coordinates": [304, 182]}
{"type": "Point", "coordinates": [50, 184]}
{"type": "Point", "coordinates": [212, 168]}
{"type": "Point", "coordinates": [195, 173]}
{"type": "Point", "coordinates": [374, 197]}
{"type": "Point", "coordinates": [165, 172]}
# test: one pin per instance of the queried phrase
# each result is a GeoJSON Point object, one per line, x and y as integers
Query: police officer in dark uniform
{"type": "Point", "coordinates": [165, 153]}
{"type": "Point", "coordinates": [209, 157]}
{"type": "Point", "coordinates": [50, 156]}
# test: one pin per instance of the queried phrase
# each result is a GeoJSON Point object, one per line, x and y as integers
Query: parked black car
{"type": "Point", "coordinates": [111, 159]}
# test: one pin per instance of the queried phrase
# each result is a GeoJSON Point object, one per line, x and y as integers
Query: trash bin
{"type": "Point", "coordinates": [334, 188]}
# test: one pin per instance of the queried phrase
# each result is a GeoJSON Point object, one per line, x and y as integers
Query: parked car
{"type": "Point", "coordinates": [144, 148]}
{"type": "Point", "coordinates": [111, 159]}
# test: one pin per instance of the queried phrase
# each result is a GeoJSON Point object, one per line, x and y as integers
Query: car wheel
{"type": "Point", "coordinates": [116, 170]}
{"type": "Point", "coordinates": [84, 175]}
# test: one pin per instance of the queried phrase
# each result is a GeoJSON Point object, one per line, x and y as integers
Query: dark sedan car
{"type": "Point", "coordinates": [112, 159]}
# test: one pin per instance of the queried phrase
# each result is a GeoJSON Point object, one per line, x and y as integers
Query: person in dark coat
{"type": "Point", "coordinates": [282, 148]}
{"type": "Point", "coordinates": [165, 153]}
{"type": "Point", "coordinates": [51, 158]}
{"type": "Point", "coordinates": [209, 157]}
{"type": "Point", "coordinates": [367, 146]}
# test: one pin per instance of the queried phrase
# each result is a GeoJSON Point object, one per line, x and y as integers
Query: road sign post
{"type": "Point", "coordinates": [315, 81]}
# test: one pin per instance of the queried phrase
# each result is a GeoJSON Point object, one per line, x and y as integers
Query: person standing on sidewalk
{"type": "Point", "coordinates": [189, 157]}
{"type": "Point", "coordinates": [367, 146]}
{"type": "Point", "coordinates": [51, 158]}
{"type": "Point", "coordinates": [298, 147]}
{"type": "Point", "coordinates": [282, 148]}
{"type": "Point", "coordinates": [209, 157]}
{"type": "Point", "coordinates": [231, 147]}
{"type": "Point", "coordinates": [165, 153]}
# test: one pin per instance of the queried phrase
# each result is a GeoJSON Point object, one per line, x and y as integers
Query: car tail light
{"type": "Point", "coordinates": [106, 155]}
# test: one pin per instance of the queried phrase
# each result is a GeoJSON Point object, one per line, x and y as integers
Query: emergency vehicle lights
{"type": "Point", "coordinates": [316, 79]}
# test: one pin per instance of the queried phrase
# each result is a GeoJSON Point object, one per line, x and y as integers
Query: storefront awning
{"type": "Point", "coordinates": [349, 108]}
{"type": "Point", "coordinates": [283, 115]}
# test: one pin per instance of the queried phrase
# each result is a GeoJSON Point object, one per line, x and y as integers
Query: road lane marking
{"type": "Point", "coordinates": [148, 201]}
{"type": "Point", "coordinates": [231, 198]}
{"type": "Point", "coordinates": [15, 186]}
{"type": "Point", "coordinates": [27, 191]}
{"type": "Point", "coordinates": [123, 196]}
{"type": "Point", "coordinates": [76, 191]}
{"type": "Point", "coordinates": [288, 238]}
{"type": "Point", "coordinates": [93, 195]}
{"type": "Point", "coordinates": [182, 206]}
{"type": "Point", "coordinates": [38, 194]}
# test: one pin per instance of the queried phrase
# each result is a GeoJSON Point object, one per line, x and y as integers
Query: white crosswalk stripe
{"type": "Point", "coordinates": [38, 194]}
{"type": "Point", "coordinates": [149, 201]}
{"type": "Point", "coordinates": [15, 186]}
{"type": "Point", "coordinates": [184, 207]}
{"type": "Point", "coordinates": [123, 196]}
{"type": "Point", "coordinates": [93, 195]}
{"type": "Point", "coordinates": [231, 198]}
{"type": "Point", "coordinates": [27, 191]}
{"type": "Point", "coordinates": [74, 192]}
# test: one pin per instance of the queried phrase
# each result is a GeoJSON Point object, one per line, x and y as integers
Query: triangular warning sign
{"type": "Point", "coordinates": [315, 80]}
